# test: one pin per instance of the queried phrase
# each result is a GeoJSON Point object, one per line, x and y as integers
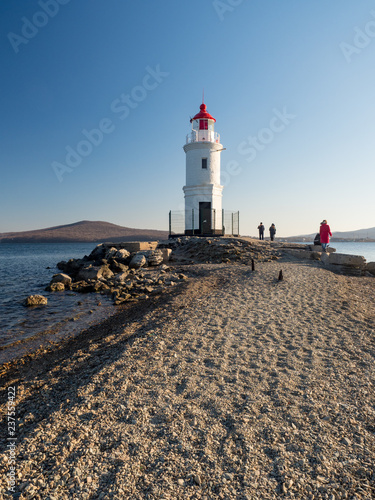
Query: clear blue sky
{"type": "Point", "coordinates": [65, 66]}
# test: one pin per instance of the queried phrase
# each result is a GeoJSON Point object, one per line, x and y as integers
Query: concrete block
{"type": "Point", "coordinates": [325, 258]}
{"type": "Point", "coordinates": [342, 259]}
{"type": "Point", "coordinates": [134, 246]}
{"type": "Point", "coordinates": [316, 255]}
{"type": "Point", "coordinates": [318, 248]}
{"type": "Point", "coordinates": [166, 254]}
{"type": "Point", "coordinates": [370, 267]}
{"type": "Point", "coordinates": [299, 254]}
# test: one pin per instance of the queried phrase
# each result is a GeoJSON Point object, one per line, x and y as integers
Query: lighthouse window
{"type": "Point", "coordinates": [204, 162]}
{"type": "Point", "coordinates": [203, 124]}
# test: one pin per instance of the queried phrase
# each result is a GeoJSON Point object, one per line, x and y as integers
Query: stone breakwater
{"type": "Point", "coordinates": [125, 271]}
{"type": "Point", "coordinates": [135, 270]}
{"type": "Point", "coordinates": [353, 265]}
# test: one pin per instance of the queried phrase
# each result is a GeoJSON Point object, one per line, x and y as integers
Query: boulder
{"type": "Point", "coordinates": [106, 272]}
{"type": "Point", "coordinates": [117, 267]}
{"type": "Point", "coordinates": [94, 273]}
{"type": "Point", "coordinates": [35, 300]}
{"type": "Point", "coordinates": [154, 257]}
{"type": "Point", "coordinates": [83, 287]}
{"type": "Point", "coordinates": [111, 252]}
{"type": "Point", "coordinates": [138, 261]}
{"type": "Point", "coordinates": [72, 267]}
{"type": "Point", "coordinates": [56, 287]}
{"type": "Point", "coordinates": [98, 253]}
{"type": "Point", "coordinates": [370, 267]}
{"type": "Point", "coordinates": [166, 254]}
{"type": "Point", "coordinates": [122, 254]}
{"type": "Point", "coordinates": [61, 278]}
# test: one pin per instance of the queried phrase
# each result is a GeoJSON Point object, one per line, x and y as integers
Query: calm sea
{"type": "Point", "coordinates": [367, 250]}
{"type": "Point", "coordinates": [26, 269]}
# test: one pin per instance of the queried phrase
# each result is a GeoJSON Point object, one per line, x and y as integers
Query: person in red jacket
{"type": "Point", "coordinates": [325, 233]}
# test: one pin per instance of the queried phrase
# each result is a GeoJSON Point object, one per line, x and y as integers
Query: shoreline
{"type": "Point", "coordinates": [68, 328]}
{"type": "Point", "coordinates": [72, 341]}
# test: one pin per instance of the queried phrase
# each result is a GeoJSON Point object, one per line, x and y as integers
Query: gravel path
{"type": "Point", "coordinates": [234, 386]}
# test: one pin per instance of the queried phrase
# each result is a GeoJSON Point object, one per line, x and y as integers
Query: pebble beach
{"type": "Point", "coordinates": [231, 385]}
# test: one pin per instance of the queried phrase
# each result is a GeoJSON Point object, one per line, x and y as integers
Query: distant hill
{"type": "Point", "coordinates": [358, 235]}
{"type": "Point", "coordinates": [90, 231]}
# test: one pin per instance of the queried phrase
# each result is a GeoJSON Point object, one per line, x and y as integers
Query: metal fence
{"type": "Point", "coordinates": [204, 222]}
{"type": "Point", "coordinates": [231, 223]}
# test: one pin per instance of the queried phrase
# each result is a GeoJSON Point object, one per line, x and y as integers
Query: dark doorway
{"type": "Point", "coordinates": [205, 217]}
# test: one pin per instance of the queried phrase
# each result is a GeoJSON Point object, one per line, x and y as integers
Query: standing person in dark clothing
{"type": "Point", "coordinates": [325, 233]}
{"type": "Point", "coordinates": [261, 231]}
{"type": "Point", "coordinates": [272, 231]}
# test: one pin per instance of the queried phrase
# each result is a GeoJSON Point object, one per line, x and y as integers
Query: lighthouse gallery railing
{"type": "Point", "coordinates": [203, 136]}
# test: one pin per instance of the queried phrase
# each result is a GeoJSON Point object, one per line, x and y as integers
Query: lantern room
{"type": "Point", "coordinates": [203, 125]}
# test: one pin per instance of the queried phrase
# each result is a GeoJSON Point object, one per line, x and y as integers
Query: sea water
{"type": "Point", "coordinates": [366, 249]}
{"type": "Point", "coordinates": [26, 269]}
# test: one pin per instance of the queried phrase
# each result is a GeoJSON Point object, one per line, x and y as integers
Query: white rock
{"type": "Point", "coordinates": [139, 260]}
{"type": "Point", "coordinates": [154, 257]}
{"type": "Point", "coordinates": [167, 252]}
{"type": "Point", "coordinates": [122, 254]}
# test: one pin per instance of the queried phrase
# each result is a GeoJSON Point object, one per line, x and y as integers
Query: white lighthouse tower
{"type": "Point", "coordinates": [203, 192]}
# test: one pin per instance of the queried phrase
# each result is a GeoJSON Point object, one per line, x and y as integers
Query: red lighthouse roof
{"type": "Point", "coordinates": [203, 114]}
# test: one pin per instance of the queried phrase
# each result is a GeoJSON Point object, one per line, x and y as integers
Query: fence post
{"type": "Point", "coordinates": [222, 221]}
{"type": "Point", "coordinates": [170, 222]}
{"type": "Point", "coordinates": [192, 221]}
{"type": "Point", "coordinates": [214, 228]}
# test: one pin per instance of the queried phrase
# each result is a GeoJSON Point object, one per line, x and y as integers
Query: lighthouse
{"type": "Point", "coordinates": [203, 192]}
